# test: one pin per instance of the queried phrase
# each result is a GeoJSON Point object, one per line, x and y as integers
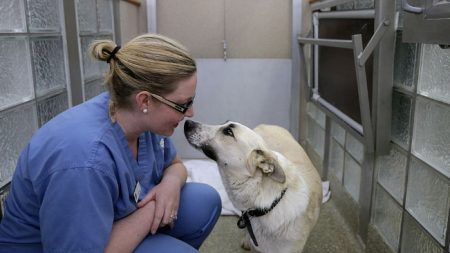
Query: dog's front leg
{"type": "Point", "coordinates": [245, 242]}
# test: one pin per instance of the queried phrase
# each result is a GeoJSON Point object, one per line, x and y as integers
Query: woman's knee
{"type": "Point", "coordinates": [204, 196]}
{"type": "Point", "coordinates": [200, 208]}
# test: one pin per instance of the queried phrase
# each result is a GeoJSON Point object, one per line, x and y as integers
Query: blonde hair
{"type": "Point", "coordinates": [149, 62]}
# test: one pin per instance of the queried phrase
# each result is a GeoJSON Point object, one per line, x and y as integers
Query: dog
{"type": "Point", "coordinates": [267, 176]}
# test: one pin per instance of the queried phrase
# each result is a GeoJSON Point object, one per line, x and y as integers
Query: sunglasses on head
{"type": "Point", "coordinates": [178, 107]}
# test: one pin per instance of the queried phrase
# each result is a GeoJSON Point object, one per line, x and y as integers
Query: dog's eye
{"type": "Point", "coordinates": [228, 131]}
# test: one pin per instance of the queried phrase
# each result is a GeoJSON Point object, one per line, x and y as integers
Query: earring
{"type": "Point", "coordinates": [145, 110]}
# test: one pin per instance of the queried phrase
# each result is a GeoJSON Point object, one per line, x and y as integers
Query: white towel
{"type": "Point", "coordinates": [206, 171]}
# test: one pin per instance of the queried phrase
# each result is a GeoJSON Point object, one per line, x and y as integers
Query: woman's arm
{"type": "Point", "coordinates": [167, 194]}
{"type": "Point", "coordinates": [128, 233]}
{"type": "Point", "coordinates": [176, 170]}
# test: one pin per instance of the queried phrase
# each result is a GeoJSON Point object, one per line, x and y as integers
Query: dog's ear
{"type": "Point", "coordinates": [265, 161]}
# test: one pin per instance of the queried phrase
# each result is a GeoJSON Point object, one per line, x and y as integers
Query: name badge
{"type": "Point", "coordinates": [137, 192]}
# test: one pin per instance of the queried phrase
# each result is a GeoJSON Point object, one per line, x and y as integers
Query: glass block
{"type": "Point", "coordinates": [91, 67]}
{"type": "Point", "coordinates": [387, 218]}
{"type": "Point", "coordinates": [345, 6]}
{"type": "Point", "coordinates": [48, 64]}
{"type": "Point", "coordinates": [414, 239]}
{"type": "Point", "coordinates": [316, 114]}
{"type": "Point", "coordinates": [431, 136]}
{"type": "Point", "coordinates": [401, 119]}
{"type": "Point", "coordinates": [352, 176]}
{"type": "Point", "coordinates": [87, 15]}
{"type": "Point", "coordinates": [392, 172]}
{"type": "Point", "coordinates": [44, 15]}
{"type": "Point", "coordinates": [316, 137]}
{"type": "Point", "coordinates": [105, 15]}
{"type": "Point", "coordinates": [12, 16]}
{"type": "Point", "coordinates": [50, 107]}
{"type": "Point", "coordinates": [364, 4]}
{"type": "Point", "coordinates": [336, 163]}
{"type": "Point", "coordinates": [405, 63]}
{"type": "Point", "coordinates": [15, 72]}
{"type": "Point", "coordinates": [13, 138]}
{"type": "Point", "coordinates": [338, 133]}
{"type": "Point", "coordinates": [434, 75]}
{"type": "Point", "coordinates": [354, 147]}
{"type": "Point", "coordinates": [92, 89]}
{"type": "Point", "coordinates": [427, 198]}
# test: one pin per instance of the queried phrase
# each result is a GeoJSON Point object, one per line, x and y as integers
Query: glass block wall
{"type": "Point", "coordinates": [415, 175]}
{"type": "Point", "coordinates": [33, 76]}
{"type": "Point", "coordinates": [34, 66]}
{"type": "Point", "coordinates": [411, 187]}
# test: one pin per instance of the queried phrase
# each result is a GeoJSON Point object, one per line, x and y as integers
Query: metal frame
{"type": "Point", "coordinates": [374, 131]}
{"type": "Point", "coordinates": [75, 72]}
{"type": "Point", "coordinates": [425, 22]}
{"type": "Point", "coordinates": [360, 57]}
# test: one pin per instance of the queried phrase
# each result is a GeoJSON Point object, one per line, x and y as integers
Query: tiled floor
{"type": "Point", "coordinates": [330, 235]}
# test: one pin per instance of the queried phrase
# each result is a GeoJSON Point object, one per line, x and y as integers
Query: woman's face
{"type": "Point", "coordinates": [164, 118]}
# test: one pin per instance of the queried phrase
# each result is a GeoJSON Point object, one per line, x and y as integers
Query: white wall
{"type": "Point", "coordinates": [249, 91]}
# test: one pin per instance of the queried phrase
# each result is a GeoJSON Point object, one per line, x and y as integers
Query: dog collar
{"type": "Point", "coordinates": [244, 219]}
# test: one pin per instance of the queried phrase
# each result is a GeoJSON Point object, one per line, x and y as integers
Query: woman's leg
{"type": "Point", "coordinates": [163, 243]}
{"type": "Point", "coordinates": [200, 207]}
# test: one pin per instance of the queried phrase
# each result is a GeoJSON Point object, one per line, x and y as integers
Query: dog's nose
{"type": "Point", "coordinates": [188, 125]}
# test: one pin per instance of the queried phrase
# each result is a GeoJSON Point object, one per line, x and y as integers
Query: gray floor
{"type": "Point", "coordinates": [330, 235]}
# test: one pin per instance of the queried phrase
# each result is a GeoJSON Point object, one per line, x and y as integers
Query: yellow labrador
{"type": "Point", "coordinates": [268, 176]}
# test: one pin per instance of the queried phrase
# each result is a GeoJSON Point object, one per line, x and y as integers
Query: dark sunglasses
{"type": "Point", "coordinates": [179, 107]}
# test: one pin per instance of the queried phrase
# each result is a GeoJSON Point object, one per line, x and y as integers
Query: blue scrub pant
{"type": "Point", "coordinates": [199, 209]}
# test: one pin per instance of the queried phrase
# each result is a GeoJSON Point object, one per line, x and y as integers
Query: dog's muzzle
{"type": "Point", "coordinates": [191, 132]}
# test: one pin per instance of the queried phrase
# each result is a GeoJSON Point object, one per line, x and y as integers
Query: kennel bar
{"type": "Point", "coordinates": [363, 94]}
{"type": "Point", "coordinates": [362, 14]}
{"type": "Point", "coordinates": [327, 4]}
{"type": "Point", "coordinates": [374, 42]}
{"type": "Point", "coordinates": [340, 115]}
{"type": "Point", "coordinates": [327, 42]}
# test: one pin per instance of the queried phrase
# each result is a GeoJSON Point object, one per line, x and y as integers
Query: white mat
{"type": "Point", "coordinates": [206, 171]}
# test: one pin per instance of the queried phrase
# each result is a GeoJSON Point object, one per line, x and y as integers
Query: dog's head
{"type": "Point", "coordinates": [234, 147]}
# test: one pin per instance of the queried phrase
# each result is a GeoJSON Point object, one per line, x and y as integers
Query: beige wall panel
{"type": "Point", "coordinates": [133, 20]}
{"type": "Point", "coordinates": [258, 28]}
{"type": "Point", "coordinates": [197, 24]}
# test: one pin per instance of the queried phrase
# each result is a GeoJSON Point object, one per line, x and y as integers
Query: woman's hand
{"type": "Point", "coordinates": [166, 196]}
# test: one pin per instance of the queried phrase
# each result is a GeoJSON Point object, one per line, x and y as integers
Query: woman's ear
{"type": "Point", "coordinates": [142, 100]}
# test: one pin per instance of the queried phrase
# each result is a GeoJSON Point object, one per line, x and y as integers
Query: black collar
{"type": "Point", "coordinates": [244, 219]}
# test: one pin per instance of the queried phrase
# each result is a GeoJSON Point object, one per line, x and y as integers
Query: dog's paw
{"type": "Point", "coordinates": [245, 244]}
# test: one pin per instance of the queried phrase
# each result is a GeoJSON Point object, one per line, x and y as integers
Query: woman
{"type": "Point", "coordinates": [103, 175]}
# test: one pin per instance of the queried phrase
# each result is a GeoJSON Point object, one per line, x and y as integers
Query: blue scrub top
{"type": "Point", "coordinates": [75, 178]}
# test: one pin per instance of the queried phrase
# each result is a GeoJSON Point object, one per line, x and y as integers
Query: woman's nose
{"type": "Point", "coordinates": [190, 112]}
